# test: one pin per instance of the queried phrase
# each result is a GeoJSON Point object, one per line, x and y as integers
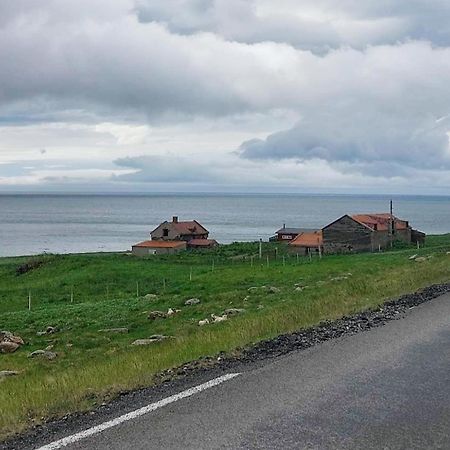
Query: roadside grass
{"type": "Point", "coordinates": [93, 367]}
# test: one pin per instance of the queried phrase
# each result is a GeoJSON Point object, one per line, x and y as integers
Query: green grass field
{"type": "Point", "coordinates": [81, 294]}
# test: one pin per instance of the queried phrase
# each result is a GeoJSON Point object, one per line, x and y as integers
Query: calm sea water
{"type": "Point", "coordinates": [31, 224]}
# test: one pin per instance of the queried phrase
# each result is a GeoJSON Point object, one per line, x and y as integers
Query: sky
{"type": "Point", "coordinates": [225, 96]}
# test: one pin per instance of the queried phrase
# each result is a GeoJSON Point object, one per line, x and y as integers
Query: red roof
{"type": "Point", "coordinates": [190, 227]}
{"type": "Point", "coordinates": [161, 244]}
{"type": "Point", "coordinates": [202, 242]}
{"type": "Point", "coordinates": [380, 222]}
{"type": "Point", "coordinates": [308, 239]}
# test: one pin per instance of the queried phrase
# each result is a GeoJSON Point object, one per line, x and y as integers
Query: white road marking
{"type": "Point", "coordinates": [139, 412]}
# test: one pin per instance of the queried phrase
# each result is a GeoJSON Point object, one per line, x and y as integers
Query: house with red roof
{"type": "Point", "coordinates": [179, 231]}
{"type": "Point", "coordinates": [367, 232]}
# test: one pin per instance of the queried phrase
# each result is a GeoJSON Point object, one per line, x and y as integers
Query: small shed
{"type": "Point", "coordinates": [307, 242]}
{"type": "Point", "coordinates": [288, 234]}
{"type": "Point", "coordinates": [158, 248]}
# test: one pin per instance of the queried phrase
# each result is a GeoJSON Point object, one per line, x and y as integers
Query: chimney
{"type": "Point", "coordinates": [175, 219]}
{"type": "Point", "coordinates": [284, 226]}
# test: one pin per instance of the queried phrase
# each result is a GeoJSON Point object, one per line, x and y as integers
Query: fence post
{"type": "Point", "coordinates": [267, 260]}
{"type": "Point", "coordinates": [190, 274]}
{"type": "Point", "coordinates": [71, 295]}
{"type": "Point", "coordinates": [137, 289]}
{"type": "Point", "coordinates": [284, 260]}
{"type": "Point", "coordinates": [29, 300]}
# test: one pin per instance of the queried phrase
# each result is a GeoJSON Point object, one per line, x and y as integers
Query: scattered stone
{"type": "Point", "coordinates": [421, 259]}
{"type": "Point", "coordinates": [341, 278]}
{"type": "Point", "coordinates": [8, 373]}
{"type": "Point", "coordinates": [150, 297]}
{"type": "Point", "coordinates": [171, 312]}
{"type": "Point", "coordinates": [46, 354]}
{"type": "Point", "coordinates": [150, 340]}
{"type": "Point", "coordinates": [233, 311]}
{"type": "Point", "coordinates": [9, 343]}
{"type": "Point", "coordinates": [273, 290]}
{"type": "Point", "coordinates": [202, 323]}
{"type": "Point", "coordinates": [413, 257]}
{"type": "Point", "coordinates": [299, 289]}
{"type": "Point", "coordinates": [217, 319]}
{"type": "Point", "coordinates": [114, 330]}
{"type": "Point", "coordinates": [8, 347]}
{"type": "Point", "coordinates": [48, 330]}
{"type": "Point", "coordinates": [153, 315]}
{"type": "Point", "coordinates": [192, 301]}
{"type": "Point", "coordinates": [260, 307]}
{"type": "Point", "coordinates": [246, 298]}
{"type": "Point", "coordinates": [253, 289]}
{"type": "Point", "coordinates": [49, 348]}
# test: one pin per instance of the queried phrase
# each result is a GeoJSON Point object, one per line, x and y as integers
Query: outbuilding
{"type": "Point", "coordinates": [158, 248]}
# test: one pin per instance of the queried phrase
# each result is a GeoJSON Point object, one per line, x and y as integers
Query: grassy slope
{"type": "Point", "coordinates": [95, 366]}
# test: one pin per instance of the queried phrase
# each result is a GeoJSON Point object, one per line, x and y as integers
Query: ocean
{"type": "Point", "coordinates": [33, 224]}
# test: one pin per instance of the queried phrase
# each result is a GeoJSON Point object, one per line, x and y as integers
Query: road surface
{"type": "Point", "coordinates": [387, 388]}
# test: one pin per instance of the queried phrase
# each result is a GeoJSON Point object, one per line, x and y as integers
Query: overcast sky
{"type": "Point", "coordinates": [225, 95]}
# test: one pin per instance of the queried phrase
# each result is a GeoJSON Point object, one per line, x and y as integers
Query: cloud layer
{"type": "Point", "coordinates": [203, 90]}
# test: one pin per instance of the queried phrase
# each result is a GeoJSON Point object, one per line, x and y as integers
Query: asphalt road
{"type": "Point", "coordinates": [388, 388]}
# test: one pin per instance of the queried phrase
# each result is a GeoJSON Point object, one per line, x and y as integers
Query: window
{"type": "Point", "coordinates": [165, 232]}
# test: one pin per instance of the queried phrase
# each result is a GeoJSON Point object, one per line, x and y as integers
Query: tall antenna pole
{"type": "Point", "coordinates": [391, 223]}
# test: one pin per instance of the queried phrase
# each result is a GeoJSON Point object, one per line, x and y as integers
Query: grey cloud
{"type": "Point", "coordinates": [166, 169]}
{"type": "Point", "coordinates": [317, 25]}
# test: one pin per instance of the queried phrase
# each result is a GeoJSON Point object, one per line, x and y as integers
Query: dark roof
{"type": "Point", "coordinates": [160, 244]}
{"type": "Point", "coordinates": [293, 230]}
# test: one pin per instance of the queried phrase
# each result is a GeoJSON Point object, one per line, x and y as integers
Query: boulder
{"type": "Point", "coordinates": [150, 340]}
{"type": "Point", "coordinates": [8, 373]}
{"type": "Point", "coordinates": [192, 301]}
{"type": "Point", "coordinates": [233, 311]}
{"type": "Point", "coordinates": [48, 330]}
{"type": "Point", "coordinates": [153, 315]}
{"type": "Point", "coordinates": [202, 323]}
{"type": "Point", "coordinates": [9, 343]}
{"type": "Point", "coordinates": [421, 259]}
{"type": "Point", "coordinates": [114, 330]}
{"type": "Point", "coordinates": [272, 289]}
{"type": "Point", "coordinates": [150, 297]}
{"type": "Point", "coordinates": [8, 347]}
{"type": "Point", "coordinates": [45, 354]}
{"type": "Point", "coordinates": [217, 319]}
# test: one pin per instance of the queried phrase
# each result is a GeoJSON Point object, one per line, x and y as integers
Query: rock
{"type": "Point", "coordinates": [8, 347]}
{"type": "Point", "coordinates": [202, 323]}
{"type": "Point", "coordinates": [150, 340]}
{"type": "Point", "coordinates": [299, 289]}
{"type": "Point", "coordinates": [272, 290]}
{"type": "Point", "coordinates": [341, 278]}
{"type": "Point", "coordinates": [171, 312]}
{"type": "Point", "coordinates": [233, 311]}
{"type": "Point", "coordinates": [217, 319]}
{"type": "Point", "coordinates": [7, 336]}
{"type": "Point", "coordinates": [8, 373]}
{"type": "Point", "coordinates": [413, 257]}
{"type": "Point", "coordinates": [260, 307]}
{"type": "Point", "coordinates": [48, 330]}
{"type": "Point", "coordinates": [246, 298]}
{"type": "Point", "coordinates": [9, 343]}
{"type": "Point", "coordinates": [46, 354]}
{"type": "Point", "coordinates": [114, 330]}
{"type": "Point", "coordinates": [153, 315]}
{"type": "Point", "coordinates": [253, 289]}
{"type": "Point", "coordinates": [420, 259]}
{"type": "Point", "coordinates": [192, 301]}
{"type": "Point", "coordinates": [150, 297]}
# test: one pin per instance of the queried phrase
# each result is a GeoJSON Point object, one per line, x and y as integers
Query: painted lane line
{"type": "Point", "coordinates": [139, 412]}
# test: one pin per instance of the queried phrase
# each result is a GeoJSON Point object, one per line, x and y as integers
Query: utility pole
{"type": "Point", "coordinates": [391, 224]}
